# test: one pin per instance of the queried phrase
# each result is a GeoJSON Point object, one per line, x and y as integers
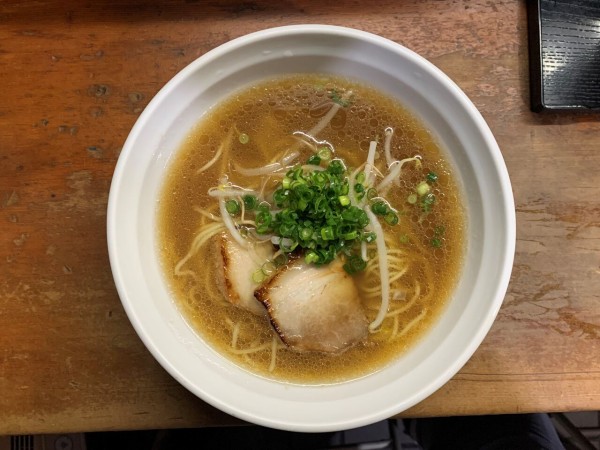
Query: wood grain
{"type": "Point", "coordinates": [75, 77]}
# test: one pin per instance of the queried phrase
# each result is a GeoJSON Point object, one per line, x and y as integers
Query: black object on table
{"type": "Point", "coordinates": [564, 54]}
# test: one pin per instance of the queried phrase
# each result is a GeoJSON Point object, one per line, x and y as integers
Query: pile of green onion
{"type": "Point", "coordinates": [312, 211]}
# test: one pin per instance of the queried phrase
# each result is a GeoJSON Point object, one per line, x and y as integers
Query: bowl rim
{"type": "Point", "coordinates": [474, 115]}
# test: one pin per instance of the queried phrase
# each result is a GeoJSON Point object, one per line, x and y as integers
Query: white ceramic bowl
{"type": "Point", "coordinates": [430, 95]}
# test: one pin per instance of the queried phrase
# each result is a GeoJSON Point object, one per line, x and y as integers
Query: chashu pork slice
{"type": "Point", "coordinates": [314, 308]}
{"type": "Point", "coordinates": [234, 268]}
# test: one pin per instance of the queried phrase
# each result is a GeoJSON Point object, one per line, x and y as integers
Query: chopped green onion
{"type": "Point", "coordinates": [297, 183]}
{"type": "Point", "coordinates": [337, 98]}
{"type": "Point", "coordinates": [439, 230]}
{"type": "Point", "coordinates": [306, 233]}
{"type": "Point", "coordinates": [391, 218]}
{"type": "Point", "coordinates": [359, 188]}
{"type": "Point", "coordinates": [311, 257]}
{"type": "Point", "coordinates": [314, 160]}
{"type": "Point", "coordinates": [354, 264]}
{"type": "Point", "coordinates": [263, 221]}
{"type": "Point", "coordinates": [314, 213]}
{"type": "Point", "coordinates": [287, 245]}
{"type": "Point", "coordinates": [336, 167]}
{"type": "Point", "coordinates": [427, 202]}
{"type": "Point", "coordinates": [281, 260]}
{"type": "Point", "coordinates": [250, 201]}
{"type": "Point", "coordinates": [324, 153]}
{"type": "Point", "coordinates": [268, 268]}
{"type": "Point", "coordinates": [363, 219]}
{"type": "Point", "coordinates": [369, 237]}
{"type": "Point", "coordinates": [258, 276]}
{"type": "Point", "coordinates": [379, 207]}
{"type": "Point", "coordinates": [244, 138]}
{"type": "Point", "coordinates": [327, 233]}
{"type": "Point", "coordinates": [371, 193]}
{"type": "Point", "coordinates": [263, 207]}
{"type": "Point", "coordinates": [280, 196]}
{"type": "Point", "coordinates": [423, 188]}
{"type": "Point", "coordinates": [404, 239]}
{"type": "Point", "coordinates": [287, 229]}
{"type": "Point", "coordinates": [432, 177]}
{"type": "Point", "coordinates": [350, 236]}
{"type": "Point", "coordinates": [344, 200]}
{"type": "Point", "coordinates": [436, 242]}
{"type": "Point", "coordinates": [320, 179]}
{"type": "Point", "coordinates": [361, 177]}
{"type": "Point", "coordinates": [412, 199]}
{"type": "Point", "coordinates": [232, 207]}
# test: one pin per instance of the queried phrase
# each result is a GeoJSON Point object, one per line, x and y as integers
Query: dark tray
{"type": "Point", "coordinates": [564, 54]}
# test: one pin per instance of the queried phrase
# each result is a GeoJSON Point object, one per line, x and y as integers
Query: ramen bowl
{"type": "Point", "coordinates": [428, 94]}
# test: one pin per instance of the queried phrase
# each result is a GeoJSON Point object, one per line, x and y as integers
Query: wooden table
{"type": "Point", "coordinates": [76, 75]}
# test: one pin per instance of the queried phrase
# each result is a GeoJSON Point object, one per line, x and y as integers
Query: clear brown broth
{"type": "Point", "coordinates": [269, 112]}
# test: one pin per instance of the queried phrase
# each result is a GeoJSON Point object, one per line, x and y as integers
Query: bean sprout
{"type": "Point", "coordinates": [395, 172]}
{"type": "Point", "coordinates": [329, 116]}
{"type": "Point", "coordinates": [383, 270]}
{"type": "Point", "coordinates": [389, 132]}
